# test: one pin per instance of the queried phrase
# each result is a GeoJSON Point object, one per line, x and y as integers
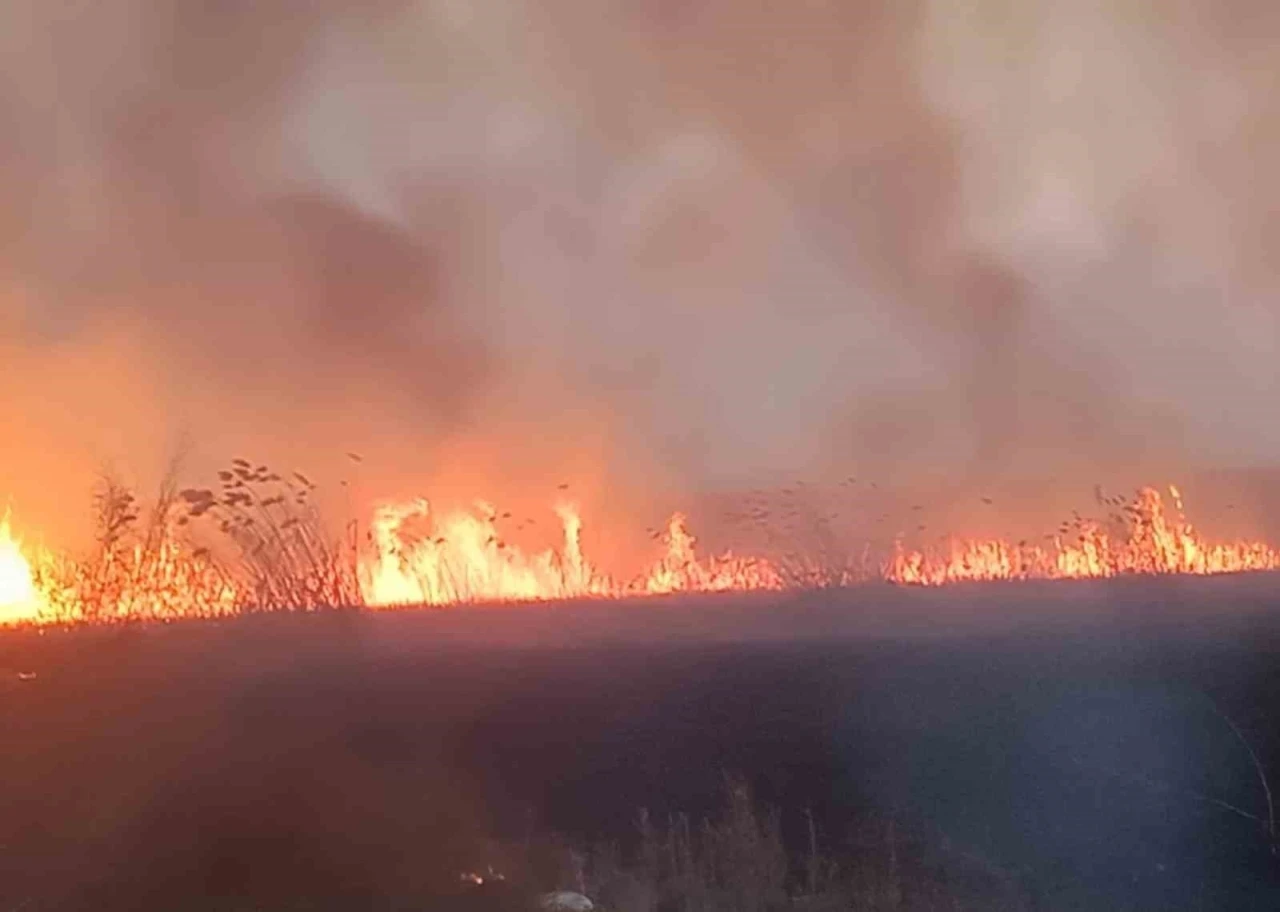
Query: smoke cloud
{"type": "Point", "coordinates": [642, 246]}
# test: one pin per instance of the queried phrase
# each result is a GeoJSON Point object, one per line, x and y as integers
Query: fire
{"type": "Point", "coordinates": [163, 581]}
{"type": "Point", "coordinates": [462, 558]}
{"type": "Point", "coordinates": [1143, 537]}
{"type": "Point", "coordinates": [19, 598]}
{"type": "Point", "coordinates": [680, 570]}
{"type": "Point", "coordinates": [281, 559]}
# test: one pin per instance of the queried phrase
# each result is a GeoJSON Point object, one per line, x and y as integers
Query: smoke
{"type": "Point", "coordinates": [1115, 159]}
{"type": "Point", "coordinates": [646, 244]}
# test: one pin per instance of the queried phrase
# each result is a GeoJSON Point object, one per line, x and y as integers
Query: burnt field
{"type": "Point", "coordinates": [1082, 742]}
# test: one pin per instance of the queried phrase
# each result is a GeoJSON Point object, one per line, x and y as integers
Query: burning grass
{"type": "Point", "coordinates": [283, 555]}
{"type": "Point", "coordinates": [463, 558]}
{"type": "Point", "coordinates": [1140, 536]}
{"type": "Point", "coordinates": [258, 541]}
{"type": "Point", "coordinates": [266, 548]}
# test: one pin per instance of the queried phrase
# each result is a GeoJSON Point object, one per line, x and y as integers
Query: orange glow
{"type": "Point", "coordinates": [1143, 537]}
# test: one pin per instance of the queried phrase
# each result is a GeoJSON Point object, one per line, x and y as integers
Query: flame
{"type": "Point", "coordinates": [462, 558]}
{"type": "Point", "coordinates": [418, 556]}
{"type": "Point", "coordinates": [680, 570]}
{"type": "Point", "coordinates": [1143, 538]}
{"type": "Point", "coordinates": [20, 600]}
{"type": "Point", "coordinates": [163, 582]}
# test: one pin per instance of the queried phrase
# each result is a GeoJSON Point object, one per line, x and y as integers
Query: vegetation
{"type": "Point", "coordinates": [285, 558]}
{"type": "Point", "coordinates": [738, 861]}
{"type": "Point", "coordinates": [258, 542]}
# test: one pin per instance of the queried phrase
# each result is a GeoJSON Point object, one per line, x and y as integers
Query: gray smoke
{"type": "Point", "coordinates": [661, 243]}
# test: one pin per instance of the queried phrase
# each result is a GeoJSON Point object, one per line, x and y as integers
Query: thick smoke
{"type": "Point", "coordinates": [497, 247]}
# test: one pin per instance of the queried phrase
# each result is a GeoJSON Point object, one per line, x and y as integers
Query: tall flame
{"type": "Point", "coordinates": [462, 558]}
{"type": "Point", "coordinates": [19, 598]}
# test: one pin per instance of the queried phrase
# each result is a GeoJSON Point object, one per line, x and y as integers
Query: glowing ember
{"type": "Point", "coordinates": [1142, 538]}
{"type": "Point", "coordinates": [19, 598]}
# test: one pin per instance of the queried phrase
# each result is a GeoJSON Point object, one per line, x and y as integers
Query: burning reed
{"type": "Point", "coordinates": [259, 542]}
{"type": "Point", "coordinates": [1142, 536]}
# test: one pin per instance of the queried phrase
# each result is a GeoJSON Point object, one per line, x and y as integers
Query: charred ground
{"type": "Point", "coordinates": [1069, 740]}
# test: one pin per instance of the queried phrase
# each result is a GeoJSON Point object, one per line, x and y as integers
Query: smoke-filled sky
{"type": "Point", "coordinates": [637, 243]}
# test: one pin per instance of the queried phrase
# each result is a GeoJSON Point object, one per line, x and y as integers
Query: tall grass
{"type": "Point", "coordinates": [256, 543]}
{"type": "Point", "coordinates": [283, 554]}
{"type": "Point", "coordinates": [739, 861]}
{"type": "Point", "coordinates": [138, 567]}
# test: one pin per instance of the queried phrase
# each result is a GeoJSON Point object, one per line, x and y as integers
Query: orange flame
{"type": "Point", "coordinates": [419, 557]}
{"type": "Point", "coordinates": [19, 598]}
{"type": "Point", "coordinates": [680, 570]}
{"type": "Point", "coordinates": [461, 558]}
{"type": "Point", "coordinates": [164, 582]}
{"type": "Point", "coordinates": [1144, 538]}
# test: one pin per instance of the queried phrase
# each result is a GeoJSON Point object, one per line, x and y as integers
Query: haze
{"type": "Point", "coordinates": [640, 246]}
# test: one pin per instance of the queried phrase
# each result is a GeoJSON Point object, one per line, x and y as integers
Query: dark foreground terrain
{"type": "Point", "coordinates": [1073, 741]}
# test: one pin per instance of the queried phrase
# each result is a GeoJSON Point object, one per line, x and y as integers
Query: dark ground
{"type": "Point", "coordinates": [1070, 735]}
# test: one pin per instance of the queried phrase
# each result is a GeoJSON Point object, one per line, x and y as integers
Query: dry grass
{"type": "Point", "coordinates": [258, 543]}
{"type": "Point", "coordinates": [284, 557]}
{"type": "Point", "coordinates": [139, 567]}
{"type": "Point", "coordinates": [738, 861]}
{"type": "Point", "coordinates": [735, 863]}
